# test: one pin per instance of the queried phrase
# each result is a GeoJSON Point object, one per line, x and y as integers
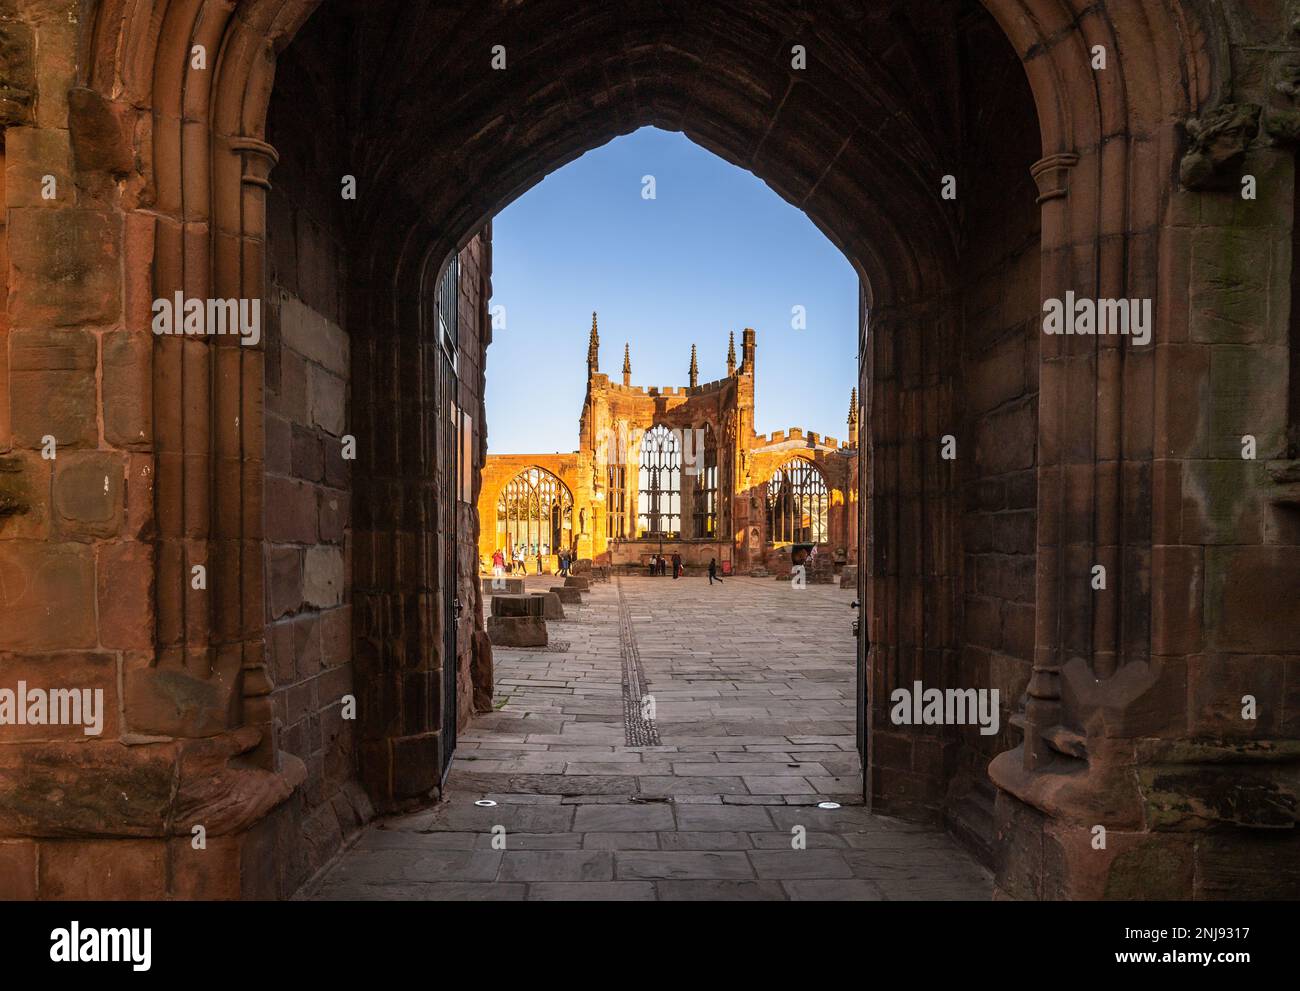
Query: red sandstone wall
{"type": "Point", "coordinates": [308, 483]}
{"type": "Point", "coordinates": [997, 443]}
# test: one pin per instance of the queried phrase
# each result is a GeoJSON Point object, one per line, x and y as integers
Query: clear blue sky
{"type": "Point", "coordinates": [715, 251]}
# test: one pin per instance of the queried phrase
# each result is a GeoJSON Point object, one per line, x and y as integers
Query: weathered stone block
{"type": "Point", "coordinates": [291, 511]}
{"type": "Point", "coordinates": [88, 499]}
{"type": "Point", "coordinates": [173, 702]}
{"type": "Point", "coordinates": [1251, 599]}
{"type": "Point", "coordinates": [125, 580]}
{"type": "Point", "coordinates": [52, 378]}
{"type": "Point", "coordinates": [578, 582]}
{"type": "Point", "coordinates": [1229, 298]}
{"type": "Point", "coordinates": [17, 870]}
{"type": "Point", "coordinates": [503, 586]}
{"type": "Point", "coordinates": [517, 605]}
{"type": "Point", "coordinates": [31, 154]}
{"type": "Point", "coordinates": [284, 580]}
{"type": "Point", "coordinates": [128, 389]}
{"type": "Point", "coordinates": [552, 609]}
{"type": "Point", "coordinates": [572, 596]}
{"type": "Point", "coordinates": [107, 870]}
{"type": "Point", "coordinates": [517, 631]}
{"type": "Point", "coordinates": [49, 589]}
{"type": "Point", "coordinates": [327, 399]}
{"type": "Point", "coordinates": [1258, 865]}
{"type": "Point", "coordinates": [1218, 504]}
{"type": "Point", "coordinates": [313, 336]}
{"type": "Point", "coordinates": [65, 267]}
{"type": "Point", "coordinates": [323, 576]}
{"type": "Point", "coordinates": [101, 133]}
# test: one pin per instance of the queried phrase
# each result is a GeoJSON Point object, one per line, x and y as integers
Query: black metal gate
{"type": "Point", "coordinates": [447, 447]}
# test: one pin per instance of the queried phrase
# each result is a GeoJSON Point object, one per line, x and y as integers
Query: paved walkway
{"type": "Point", "coordinates": [752, 724]}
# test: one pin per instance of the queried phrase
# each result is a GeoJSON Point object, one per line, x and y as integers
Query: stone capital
{"type": "Point", "coordinates": [1051, 174]}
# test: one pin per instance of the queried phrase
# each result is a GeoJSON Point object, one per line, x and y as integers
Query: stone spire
{"type": "Point", "coordinates": [695, 369]}
{"type": "Point", "coordinates": [593, 348]}
{"type": "Point", "coordinates": [748, 345]}
{"type": "Point", "coordinates": [853, 419]}
{"type": "Point", "coordinates": [731, 355]}
{"type": "Point", "coordinates": [627, 365]}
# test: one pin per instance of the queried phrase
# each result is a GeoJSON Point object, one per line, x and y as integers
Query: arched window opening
{"type": "Point", "coordinates": [705, 502]}
{"type": "Point", "coordinates": [797, 502]}
{"type": "Point", "coordinates": [659, 505]}
{"type": "Point", "coordinates": [616, 502]}
{"type": "Point", "coordinates": [534, 514]}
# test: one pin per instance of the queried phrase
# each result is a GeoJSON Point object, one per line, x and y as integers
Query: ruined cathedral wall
{"type": "Point", "coordinates": [497, 474]}
{"type": "Point", "coordinates": [308, 483]}
{"type": "Point", "coordinates": [840, 512]}
{"type": "Point", "coordinates": [996, 443]}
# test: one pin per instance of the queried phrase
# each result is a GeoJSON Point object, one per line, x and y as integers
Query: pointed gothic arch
{"type": "Point", "coordinates": [534, 515]}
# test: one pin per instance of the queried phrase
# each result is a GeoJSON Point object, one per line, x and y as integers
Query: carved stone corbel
{"type": "Point", "coordinates": [1219, 139]}
{"type": "Point", "coordinates": [1051, 175]}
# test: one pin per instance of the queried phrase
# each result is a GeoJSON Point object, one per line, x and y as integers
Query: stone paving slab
{"type": "Point", "coordinates": [680, 865]}
{"type": "Point", "coordinates": [754, 697]}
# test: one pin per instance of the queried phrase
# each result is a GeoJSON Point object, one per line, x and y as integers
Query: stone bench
{"type": "Point", "coordinates": [566, 594]}
{"type": "Point", "coordinates": [578, 582]}
{"type": "Point", "coordinates": [504, 606]}
{"type": "Point", "coordinates": [551, 608]}
{"type": "Point", "coordinates": [508, 586]}
{"type": "Point", "coordinates": [517, 631]}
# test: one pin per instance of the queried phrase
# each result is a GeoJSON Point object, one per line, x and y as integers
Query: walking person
{"type": "Point", "coordinates": [677, 566]}
{"type": "Point", "coordinates": [713, 571]}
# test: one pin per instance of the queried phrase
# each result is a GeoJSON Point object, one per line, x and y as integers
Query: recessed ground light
{"type": "Point", "coordinates": [828, 805]}
{"type": "Point", "coordinates": [488, 803]}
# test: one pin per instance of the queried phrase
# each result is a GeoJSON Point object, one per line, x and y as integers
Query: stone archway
{"type": "Point", "coordinates": [173, 169]}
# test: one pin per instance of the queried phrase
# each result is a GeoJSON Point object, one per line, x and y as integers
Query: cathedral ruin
{"type": "Point", "coordinates": [677, 470]}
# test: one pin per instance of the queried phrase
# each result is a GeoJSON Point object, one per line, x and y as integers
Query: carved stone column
{"type": "Point", "coordinates": [1043, 706]}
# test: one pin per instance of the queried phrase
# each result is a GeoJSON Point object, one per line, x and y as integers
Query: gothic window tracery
{"type": "Point", "coordinates": [534, 514]}
{"type": "Point", "coordinates": [797, 503]}
{"type": "Point", "coordinates": [705, 502]}
{"type": "Point", "coordinates": [659, 503]}
{"type": "Point", "coordinates": [616, 501]}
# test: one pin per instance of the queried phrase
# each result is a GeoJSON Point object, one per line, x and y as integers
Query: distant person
{"type": "Point", "coordinates": [539, 564]}
{"type": "Point", "coordinates": [713, 571]}
{"type": "Point", "coordinates": [677, 566]}
{"type": "Point", "coordinates": [650, 566]}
